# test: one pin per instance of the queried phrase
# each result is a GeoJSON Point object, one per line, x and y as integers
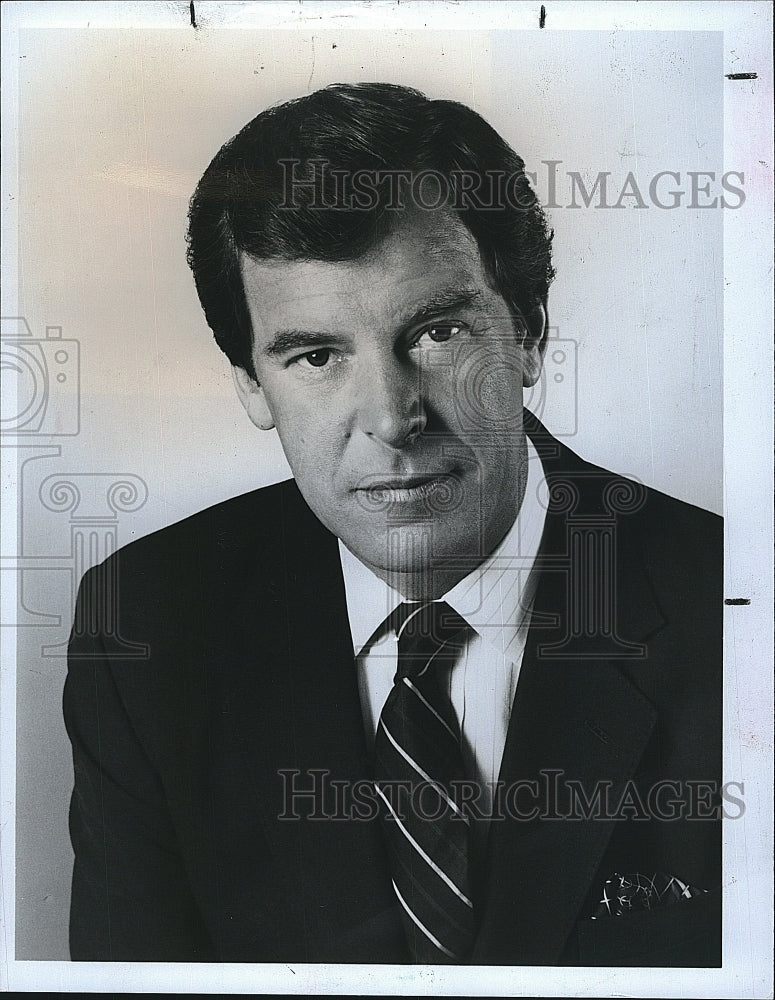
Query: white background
{"type": "Point", "coordinates": [117, 120]}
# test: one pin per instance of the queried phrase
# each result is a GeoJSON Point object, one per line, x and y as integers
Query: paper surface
{"type": "Point", "coordinates": [659, 364]}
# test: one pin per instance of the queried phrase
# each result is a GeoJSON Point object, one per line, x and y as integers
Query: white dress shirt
{"type": "Point", "coordinates": [496, 600]}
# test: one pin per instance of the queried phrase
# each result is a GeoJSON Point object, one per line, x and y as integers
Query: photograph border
{"type": "Point", "coordinates": [748, 480]}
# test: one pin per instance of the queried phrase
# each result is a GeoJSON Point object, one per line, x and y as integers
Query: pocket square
{"type": "Point", "coordinates": [622, 894]}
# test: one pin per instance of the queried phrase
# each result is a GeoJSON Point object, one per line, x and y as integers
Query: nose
{"type": "Point", "coordinates": [391, 409]}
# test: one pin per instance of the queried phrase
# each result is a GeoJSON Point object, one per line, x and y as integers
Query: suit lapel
{"type": "Point", "coordinates": [304, 702]}
{"type": "Point", "coordinates": [577, 721]}
{"type": "Point", "coordinates": [574, 722]}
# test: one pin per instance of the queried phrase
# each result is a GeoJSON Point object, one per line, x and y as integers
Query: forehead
{"type": "Point", "coordinates": [423, 254]}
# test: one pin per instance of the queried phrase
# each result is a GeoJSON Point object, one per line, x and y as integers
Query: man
{"type": "Point", "coordinates": [450, 695]}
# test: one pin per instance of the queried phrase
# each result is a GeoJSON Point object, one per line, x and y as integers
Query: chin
{"type": "Point", "coordinates": [415, 549]}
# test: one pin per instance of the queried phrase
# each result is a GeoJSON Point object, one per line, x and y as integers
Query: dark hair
{"type": "Point", "coordinates": [242, 205]}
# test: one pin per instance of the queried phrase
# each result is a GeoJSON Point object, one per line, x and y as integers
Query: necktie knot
{"type": "Point", "coordinates": [429, 634]}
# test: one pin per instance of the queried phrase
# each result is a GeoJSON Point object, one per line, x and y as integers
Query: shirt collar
{"type": "Point", "coordinates": [495, 598]}
{"type": "Point", "coordinates": [369, 599]}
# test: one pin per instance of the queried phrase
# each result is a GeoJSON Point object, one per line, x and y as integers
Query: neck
{"type": "Point", "coordinates": [426, 586]}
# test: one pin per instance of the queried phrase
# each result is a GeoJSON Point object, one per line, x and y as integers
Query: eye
{"type": "Point", "coordinates": [440, 333]}
{"type": "Point", "coordinates": [317, 359]}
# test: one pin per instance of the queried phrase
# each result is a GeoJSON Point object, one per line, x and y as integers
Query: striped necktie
{"type": "Point", "coordinates": [417, 759]}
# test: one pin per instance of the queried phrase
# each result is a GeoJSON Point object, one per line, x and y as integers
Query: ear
{"type": "Point", "coordinates": [252, 398]}
{"type": "Point", "coordinates": [536, 326]}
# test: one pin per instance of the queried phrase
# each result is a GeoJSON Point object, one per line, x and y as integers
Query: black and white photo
{"type": "Point", "coordinates": [379, 584]}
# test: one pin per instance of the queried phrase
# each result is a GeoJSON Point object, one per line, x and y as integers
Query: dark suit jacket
{"type": "Point", "coordinates": [210, 656]}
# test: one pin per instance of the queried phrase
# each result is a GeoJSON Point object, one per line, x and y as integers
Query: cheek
{"type": "Point", "coordinates": [498, 394]}
{"type": "Point", "coordinates": [488, 394]}
{"type": "Point", "coordinates": [310, 440]}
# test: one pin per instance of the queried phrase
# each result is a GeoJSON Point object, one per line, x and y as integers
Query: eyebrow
{"type": "Point", "coordinates": [285, 341]}
{"type": "Point", "coordinates": [443, 301]}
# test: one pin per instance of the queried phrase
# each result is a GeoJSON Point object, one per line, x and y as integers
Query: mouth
{"type": "Point", "coordinates": [406, 489]}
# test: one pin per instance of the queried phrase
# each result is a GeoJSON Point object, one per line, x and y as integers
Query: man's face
{"type": "Point", "coordinates": [395, 383]}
